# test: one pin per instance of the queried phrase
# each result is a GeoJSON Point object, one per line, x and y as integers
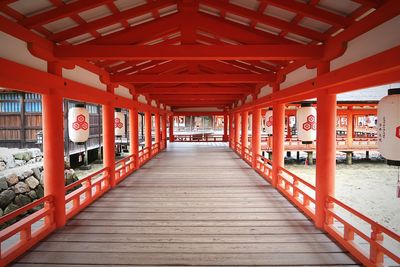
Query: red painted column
{"type": "Point", "coordinates": [231, 132]}
{"type": "Point", "coordinates": [225, 137]}
{"type": "Point", "coordinates": [256, 135]}
{"type": "Point", "coordinates": [350, 128]}
{"type": "Point", "coordinates": [326, 151]}
{"type": "Point", "coordinates": [147, 125]}
{"type": "Point", "coordinates": [245, 135]}
{"type": "Point", "coordinates": [237, 128]}
{"type": "Point", "coordinates": [278, 140]}
{"type": "Point", "coordinates": [164, 130]}
{"type": "Point", "coordinates": [134, 134]}
{"type": "Point", "coordinates": [109, 137]}
{"type": "Point", "coordinates": [53, 147]}
{"type": "Point", "coordinates": [171, 128]}
{"type": "Point", "coordinates": [157, 129]}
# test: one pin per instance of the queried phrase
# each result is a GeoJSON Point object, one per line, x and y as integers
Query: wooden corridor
{"type": "Point", "coordinates": [195, 204]}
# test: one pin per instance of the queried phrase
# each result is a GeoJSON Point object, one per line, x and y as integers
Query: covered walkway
{"type": "Point", "coordinates": [194, 204]}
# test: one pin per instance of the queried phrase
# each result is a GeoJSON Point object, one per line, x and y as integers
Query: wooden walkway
{"type": "Point", "coordinates": [197, 204]}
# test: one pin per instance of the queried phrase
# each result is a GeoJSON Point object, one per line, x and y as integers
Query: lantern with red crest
{"type": "Point", "coordinates": [78, 124]}
{"type": "Point", "coordinates": [306, 119]}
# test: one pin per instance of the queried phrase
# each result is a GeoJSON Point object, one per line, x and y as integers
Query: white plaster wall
{"type": "Point", "coordinates": [377, 40]}
{"type": "Point", "coordinates": [300, 75]}
{"type": "Point", "coordinates": [153, 103]}
{"type": "Point", "coordinates": [83, 76]}
{"type": "Point", "coordinates": [249, 98]}
{"type": "Point", "coordinates": [142, 99]}
{"type": "Point", "coordinates": [16, 50]}
{"type": "Point", "coordinates": [266, 90]}
{"type": "Point", "coordinates": [123, 91]}
{"type": "Point", "coordinates": [168, 108]}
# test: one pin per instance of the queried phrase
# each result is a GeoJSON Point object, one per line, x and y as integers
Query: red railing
{"type": "Point", "coordinates": [92, 187]}
{"type": "Point", "coordinates": [124, 167]}
{"type": "Point", "coordinates": [155, 148]}
{"type": "Point", "coordinates": [238, 148]}
{"type": "Point", "coordinates": [264, 167]}
{"type": "Point", "coordinates": [144, 156]}
{"type": "Point", "coordinates": [198, 138]}
{"type": "Point", "coordinates": [300, 192]}
{"type": "Point", "coordinates": [22, 235]}
{"type": "Point", "coordinates": [365, 239]}
{"type": "Point", "coordinates": [368, 241]}
{"type": "Point", "coordinates": [247, 155]}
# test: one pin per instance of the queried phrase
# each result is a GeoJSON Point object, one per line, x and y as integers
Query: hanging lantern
{"type": "Point", "coordinates": [78, 124]}
{"type": "Point", "coordinates": [389, 127]}
{"type": "Point", "coordinates": [306, 118]}
{"type": "Point", "coordinates": [119, 123]}
{"type": "Point", "coordinates": [268, 121]}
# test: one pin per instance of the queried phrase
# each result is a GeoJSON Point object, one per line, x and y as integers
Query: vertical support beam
{"type": "Point", "coordinates": [237, 128]}
{"type": "Point", "coordinates": [164, 131]}
{"type": "Point", "coordinates": [231, 133]}
{"type": "Point", "coordinates": [109, 137]}
{"type": "Point", "coordinates": [225, 137]}
{"type": "Point", "coordinates": [171, 128]}
{"type": "Point", "coordinates": [350, 128]}
{"type": "Point", "coordinates": [147, 126]}
{"type": "Point", "coordinates": [278, 140]}
{"type": "Point", "coordinates": [326, 150]}
{"type": "Point", "coordinates": [53, 148]}
{"type": "Point", "coordinates": [134, 134]}
{"type": "Point", "coordinates": [157, 128]}
{"type": "Point", "coordinates": [245, 134]}
{"type": "Point", "coordinates": [256, 135]}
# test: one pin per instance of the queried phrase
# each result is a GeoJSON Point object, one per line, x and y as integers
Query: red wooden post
{"type": "Point", "coordinates": [231, 132]}
{"type": "Point", "coordinates": [326, 150]}
{"type": "Point", "coordinates": [147, 125]}
{"type": "Point", "coordinates": [225, 137]}
{"type": "Point", "coordinates": [171, 128]}
{"type": "Point", "coordinates": [53, 148]}
{"type": "Point", "coordinates": [134, 132]}
{"type": "Point", "coordinates": [350, 129]}
{"type": "Point", "coordinates": [278, 140]}
{"type": "Point", "coordinates": [237, 128]}
{"type": "Point", "coordinates": [109, 138]}
{"type": "Point", "coordinates": [256, 135]}
{"type": "Point", "coordinates": [245, 135]}
{"type": "Point", "coordinates": [164, 130]}
{"type": "Point", "coordinates": [157, 129]}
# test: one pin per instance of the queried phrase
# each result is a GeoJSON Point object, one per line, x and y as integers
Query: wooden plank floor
{"type": "Point", "coordinates": [196, 204]}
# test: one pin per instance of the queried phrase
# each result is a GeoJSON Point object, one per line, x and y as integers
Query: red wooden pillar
{"type": "Point", "coordinates": [245, 135]}
{"type": "Point", "coordinates": [350, 128]}
{"type": "Point", "coordinates": [278, 140]}
{"type": "Point", "coordinates": [231, 132]}
{"type": "Point", "coordinates": [134, 134]}
{"type": "Point", "coordinates": [237, 128]}
{"type": "Point", "coordinates": [256, 135]}
{"type": "Point", "coordinates": [164, 130]}
{"type": "Point", "coordinates": [109, 137]}
{"type": "Point", "coordinates": [147, 124]}
{"type": "Point", "coordinates": [326, 150]}
{"type": "Point", "coordinates": [225, 137]}
{"type": "Point", "coordinates": [289, 132]}
{"type": "Point", "coordinates": [157, 129]}
{"type": "Point", "coordinates": [171, 128]}
{"type": "Point", "coordinates": [53, 147]}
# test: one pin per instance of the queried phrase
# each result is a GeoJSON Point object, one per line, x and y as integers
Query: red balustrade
{"type": "Point", "coordinates": [22, 235]}
{"type": "Point", "coordinates": [124, 167]}
{"type": "Point", "coordinates": [264, 167]}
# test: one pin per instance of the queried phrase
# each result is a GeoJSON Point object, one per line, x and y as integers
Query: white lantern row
{"type": "Point", "coordinates": [269, 122]}
{"type": "Point", "coordinates": [119, 123]}
{"type": "Point", "coordinates": [306, 119]}
{"type": "Point", "coordinates": [78, 124]}
{"type": "Point", "coordinates": [389, 127]}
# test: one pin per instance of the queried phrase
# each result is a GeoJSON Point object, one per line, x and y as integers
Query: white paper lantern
{"type": "Point", "coordinates": [268, 122]}
{"type": "Point", "coordinates": [306, 118]}
{"type": "Point", "coordinates": [78, 124]}
{"type": "Point", "coordinates": [389, 127]}
{"type": "Point", "coordinates": [119, 123]}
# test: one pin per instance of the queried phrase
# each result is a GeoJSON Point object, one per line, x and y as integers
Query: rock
{"type": "Point", "coordinates": [32, 194]}
{"type": "Point", "coordinates": [36, 173]}
{"type": "Point", "coordinates": [22, 200]}
{"type": "Point", "coordinates": [35, 152]}
{"type": "Point", "coordinates": [6, 197]}
{"type": "Point", "coordinates": [27, 173]}
{"type": "Point", "coordinates": [41, 180]}
{"type": "Point", "coordinates": [10, 208]}
{"type": "Point", "coordinates": [1, 212]}
{"type": "Point", "coordinates": [39, 191]}
{"type": "Point", "coordinates": [3, 165]}
{"type": "Point", "coordinates": [32, 182]}
{"type": "Point", "coordinates": [21, 188]}
{"type": "Point", "coordinates": [12, 179]}
{"type": "Point", "coordinates": [3, 183]}
{"type": "Point", "coordinates": [19, 163]}
{"type": "Point", "coordinates": [23, 155]}
{"type": "Point", "coordinates": [70, 176]}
